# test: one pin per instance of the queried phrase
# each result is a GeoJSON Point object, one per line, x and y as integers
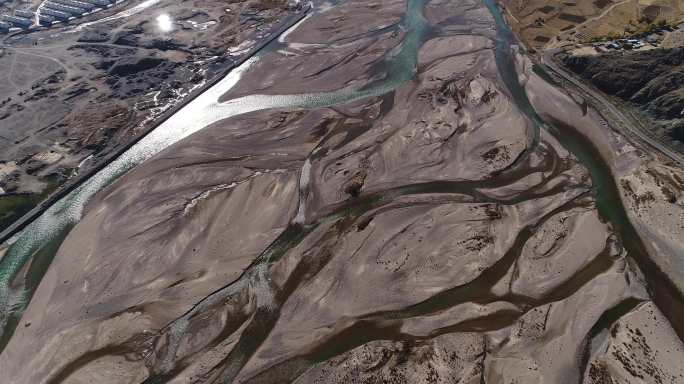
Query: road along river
{"type": "Point", "coordinates": [42, 237]}
{"type": "Point", "coordinates": [40, 240]}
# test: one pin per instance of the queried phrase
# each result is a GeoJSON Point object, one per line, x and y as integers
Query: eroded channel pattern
{"type": "Point", "coordinates": [431, 234]}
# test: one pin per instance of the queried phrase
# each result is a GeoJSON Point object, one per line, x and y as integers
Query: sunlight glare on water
{"type": "Point", "coordinates": [201, 112]}
{"type": "Point", "coordinates": [165, 23]}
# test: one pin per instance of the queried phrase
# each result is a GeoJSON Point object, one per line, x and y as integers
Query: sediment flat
{"type": "Point", "coordinates": [408, 221]}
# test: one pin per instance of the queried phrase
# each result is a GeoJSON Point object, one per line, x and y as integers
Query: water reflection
{"type": "Point", "coordinates": [165, 23]}
{"type": "Point", "coordinates": [53, 225]}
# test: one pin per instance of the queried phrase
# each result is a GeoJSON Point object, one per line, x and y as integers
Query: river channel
{"type": "Point", "coordinates": [40, 240]}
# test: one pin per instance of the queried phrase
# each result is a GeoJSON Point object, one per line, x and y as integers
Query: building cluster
{"type": "Point", "coordinates": [654, 38]}
{"type": "Point", "coordinates": [619, 44]}
{"type": "Point", "coordinates": [51, 11]}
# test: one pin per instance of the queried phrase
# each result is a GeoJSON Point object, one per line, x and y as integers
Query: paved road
{"type": "Point", "coordinates": [64, 190]}
{"type": "Point", "coordinates": [623, 120]}
{"type": "Point", "coordinates": [602, 14]}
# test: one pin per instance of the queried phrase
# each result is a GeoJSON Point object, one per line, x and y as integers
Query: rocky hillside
{"type": "Point", "coordinates": [85, 94]}
{"type": "Point", "coordinates": [651, 80]}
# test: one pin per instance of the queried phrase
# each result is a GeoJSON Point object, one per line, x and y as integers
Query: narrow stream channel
{"type": "Point", "coordinates": [41, 239]}
{"type": "Point", "coordinates": [663, 291]}
{"type": "Point", "coordinates": [369, 329]}
{"type": "Point", "coordinates": [266, 314]}
{"type": "Point", "coordinates": [44, 235]}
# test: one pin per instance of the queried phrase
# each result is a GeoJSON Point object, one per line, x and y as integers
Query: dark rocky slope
{"type": "Point", "coordinates": [651, 80]}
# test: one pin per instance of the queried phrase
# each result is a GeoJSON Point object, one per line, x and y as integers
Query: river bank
{"type": "Point", "coordinates": [418, 223]}
{"type": "Point", "coordinates": [30, 237]}
{"type": "Point", "coordinates": [64, 190]}
{"type": "Point", "coordinates": [86, 91]}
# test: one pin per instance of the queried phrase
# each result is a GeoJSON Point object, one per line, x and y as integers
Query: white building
{"type": "Point", "coordinates": [75, 11]}
{"type": "Point", "coordinates": [76, 4]}
{"type": "Point", "coordinates": [19, 22]}
{"type": "Point", "coordinates": [46, 20]}
{"type": "Point", "coordinates": [26, 13]}
{"type": "Point", "coordinates": [99, 3]}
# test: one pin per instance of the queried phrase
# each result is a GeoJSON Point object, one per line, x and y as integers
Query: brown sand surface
{"type": "Point", "coordinates": [415, 237]}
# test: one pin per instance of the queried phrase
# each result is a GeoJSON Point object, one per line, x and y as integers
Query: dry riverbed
{"type": "Point", "coordinates": [73, 95]}
{"type": "Point", "coordinates": [421, 235]}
